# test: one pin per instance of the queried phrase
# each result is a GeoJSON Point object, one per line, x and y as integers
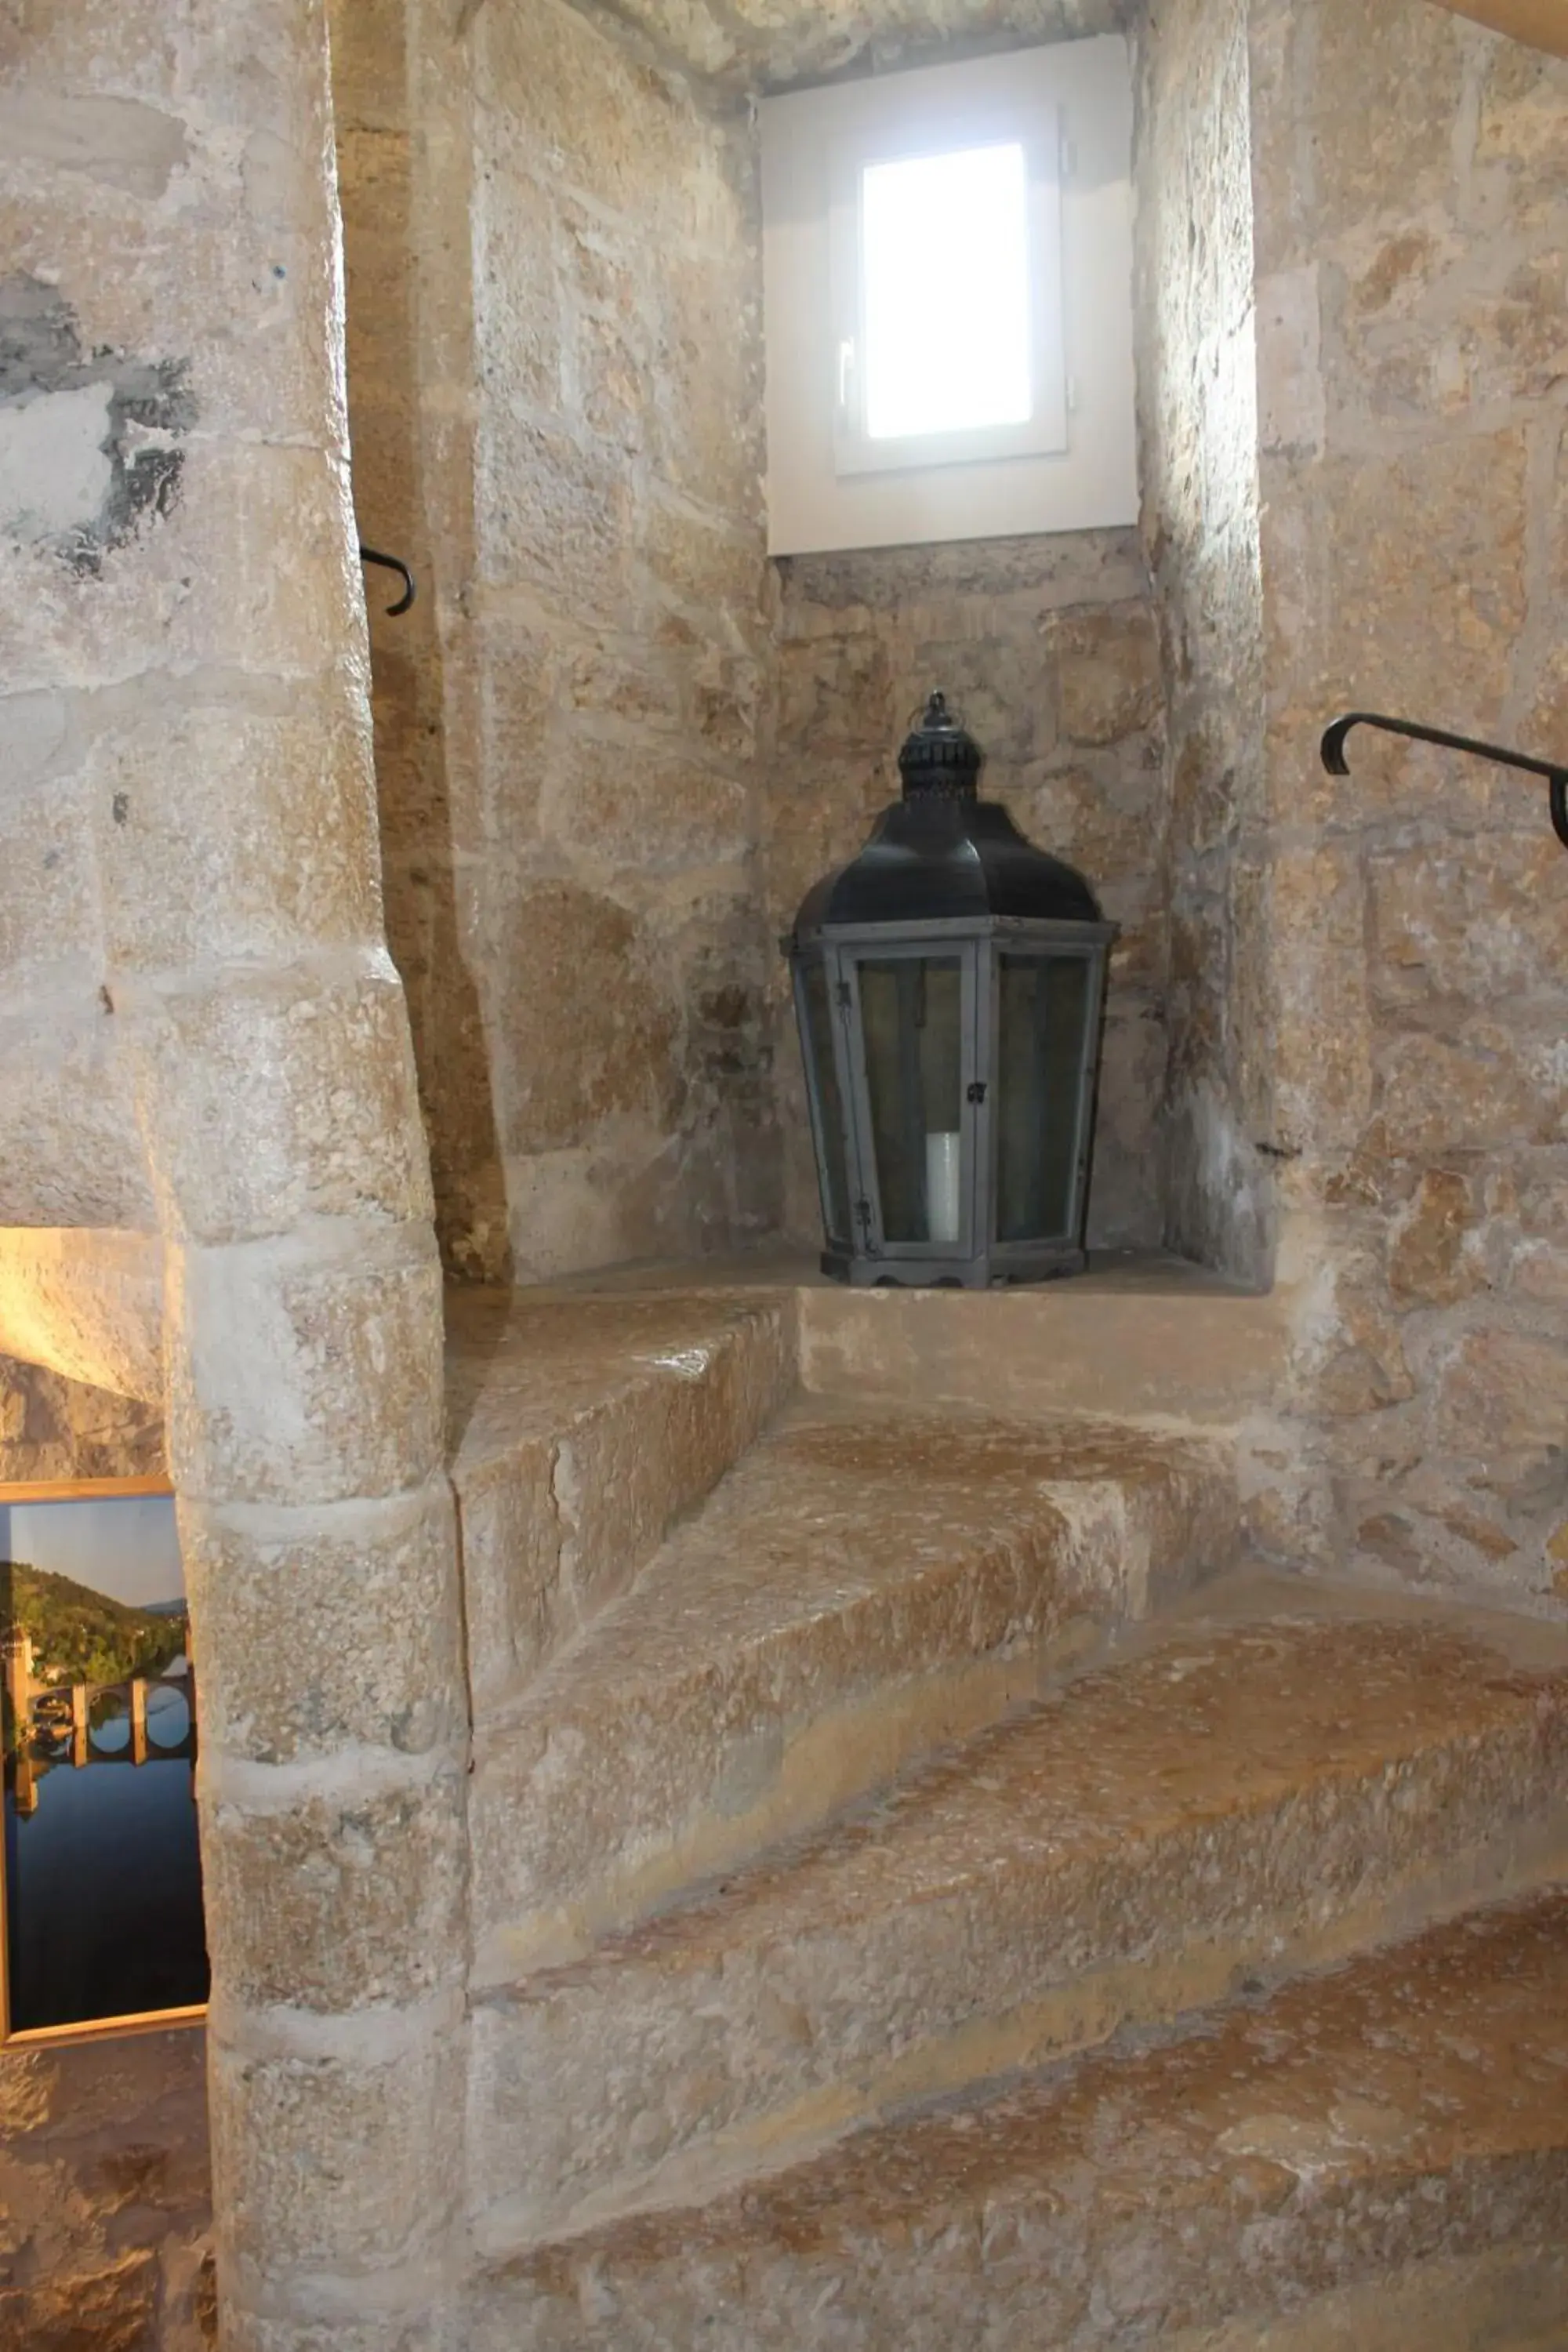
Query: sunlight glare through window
{"type": "Point", "coordinates": [945, 257]}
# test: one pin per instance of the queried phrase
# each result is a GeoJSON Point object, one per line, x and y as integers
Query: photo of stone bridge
{"type": "Point", "coordinates": [68, 1721]}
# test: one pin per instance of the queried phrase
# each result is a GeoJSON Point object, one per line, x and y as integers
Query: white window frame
{"type": "Point", "coordinates": [1075, 466]}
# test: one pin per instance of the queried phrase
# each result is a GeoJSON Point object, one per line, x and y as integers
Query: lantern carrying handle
{"type": "Point", "coordinates": [1556, 776]}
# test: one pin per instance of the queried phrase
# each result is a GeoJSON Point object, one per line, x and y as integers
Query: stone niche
{"type": "Point", "coordinates": [613, 741]}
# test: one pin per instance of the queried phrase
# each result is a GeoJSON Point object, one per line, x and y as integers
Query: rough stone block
{"type": "Point", "coordinates": [607, 1047]}
{"type": "Point", "coordinates": [704, 568]}
{"type": "Point", "coordinates": [1323, 1036]}
{"type": "Point", "coordinates": [276, 1100]}
{"type": "Point", "coordinates": [518, 261]}
{"type": "Point", "coordinates": [583, 1428]}
{"type": "Point", "coordinates": [104, 2180]}
{"type": "Point", "coordinates": [143, 608]}
{"type": "Point", "coordinates": [50, 931]}
{"type": "Point", "coordinates": [1483, 1089]}
{"type": "Point", "coordinates": [336, 1903]}
{"type": "Point", "coordinates": [1429, 1263]}
{"type": "Point", "coordinates": [1108, 672]}
{"type": "Point", "coordinates": [336, 1393]}
{"type": "Point", "coordinates": [77, 1156]}
{"type": "Point", "coordinates": [322, 2163]}
{"type": "Point", "coordinates": [234, 833]}
{"type": "Point", "coordinates": [1521, 138]}
{"type": "Point", "coordinates": [1390, 150]}
{"type": "Point", "coordinates": [1504, 1398]}
{"type": "Point", "coordinates": [1427, 608]}
{"type": "Point", "coordinates": [52, 1428]}
{"type": "Point", "coordinates": [613, 130]}
{"type": "Point", "coordinates": [86, 1304]}
{"type": "Point", "coordinates": [377, 1587]}
{"type": "Point", "coordinates": [555, 516]}
{"type": "Point", "coordinates": [249, 2331]}
{"type": "Point", "coordinates": [621, 807]}
{"type": "Point", "coordinates": [1475, 922]}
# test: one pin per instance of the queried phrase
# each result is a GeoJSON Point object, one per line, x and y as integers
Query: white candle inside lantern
{"type": "Point", "coordinates": [942, 1188]}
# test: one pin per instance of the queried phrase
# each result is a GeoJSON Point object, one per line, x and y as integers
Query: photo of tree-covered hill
{"type": "Point", "coordinates": [83, 1636]}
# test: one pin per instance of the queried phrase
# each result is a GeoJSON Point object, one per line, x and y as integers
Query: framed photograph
{"type": "Point", "coordinates": [101, 1890]}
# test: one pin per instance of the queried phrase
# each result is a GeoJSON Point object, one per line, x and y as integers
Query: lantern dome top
{"type": "Point", "coordinates": [942, 854]}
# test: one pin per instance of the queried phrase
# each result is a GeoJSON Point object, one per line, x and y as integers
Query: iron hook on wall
{"type": "Point", "coordinates": [1556, 776]}
{"type": "Point", "coordinates": [392, 563]}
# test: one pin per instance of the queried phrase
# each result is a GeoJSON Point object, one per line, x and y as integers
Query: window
{"type": "Point", "coordinates": [949, 314]}
{"type": "Point", "coordinates": [924, 381]}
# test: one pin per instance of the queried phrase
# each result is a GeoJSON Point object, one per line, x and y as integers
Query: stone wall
{"type": "Point", "coordinates": [555, 381]}
{"type": "Point", "coordinates": [1197, 404]}
{"type": "Point", "coordinates": [1049, 648]}
{"type": "Point", "coordinates": [1411, 183]}
{"type": "Point", "coordinates": [107, 2242]}
{"type": "Point", "coordinates": [55, 1428]}
{"type": "Point", "coordinates": [94, 416]}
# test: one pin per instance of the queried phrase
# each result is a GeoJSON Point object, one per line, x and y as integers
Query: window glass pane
{"type": "Point", "coordinates": [822, 1077]}
{"type": "Point", "coordinates": [1045, 1006]}
{"type": "Point", "coordinates": [911, 1011]}
{"type": "Point", "coordinates": [933, 226]}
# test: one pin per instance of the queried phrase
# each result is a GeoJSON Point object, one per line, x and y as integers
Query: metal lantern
{"type": "Point", "coordinates": [949, 988]}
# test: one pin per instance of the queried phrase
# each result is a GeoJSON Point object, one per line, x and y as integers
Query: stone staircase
{"type": "Point", "coordinates": [928, 1893]}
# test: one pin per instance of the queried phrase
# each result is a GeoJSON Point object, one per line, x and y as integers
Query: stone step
{"type": "Point", "coordinates": [1510, 2298]}
{"type": "Point", "coordinates": [1408, 2109]}
{"type": "Point", "coordinates": [1257, 1791]}
{"type": "Point", "coordinates": [580, 1430]}
{"type": "Point", "coordinates": [858, 1591]}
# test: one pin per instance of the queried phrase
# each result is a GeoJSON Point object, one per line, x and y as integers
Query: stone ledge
{"type": "Point", "coordinates": [1138, 1334]}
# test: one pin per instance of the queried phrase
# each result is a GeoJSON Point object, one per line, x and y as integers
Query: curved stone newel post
{"type": "Point", "coordinates": [181, 215]}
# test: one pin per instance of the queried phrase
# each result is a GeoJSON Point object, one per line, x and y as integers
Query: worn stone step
{"type": "Point", "coordinates": [580, 1430]}
{"type": "Point", "coordinates": [1409, 2108]}
{"type": "Point", "coordinates": [857, 1591]}
{"type": "Point", "coordinates": [1508, 2299]}
{"type": "Point", "coordinates": [1259, 1790]}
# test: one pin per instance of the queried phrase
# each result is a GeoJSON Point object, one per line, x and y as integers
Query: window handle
{"type": "Point", "coordinates": [846, 373]}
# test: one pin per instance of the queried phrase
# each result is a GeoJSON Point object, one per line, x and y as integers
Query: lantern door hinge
{"type": "Point", "coordinates": [841, 996]}
{"type": "Point", "coordinates": [977, 1090]}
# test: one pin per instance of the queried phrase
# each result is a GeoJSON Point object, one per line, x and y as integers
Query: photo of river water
{"type": "Point", "coordinates": [102, 1864]}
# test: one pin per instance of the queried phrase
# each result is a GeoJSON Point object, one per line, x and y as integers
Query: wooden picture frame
{"type": "Point", "coordinates": [83, 1685]}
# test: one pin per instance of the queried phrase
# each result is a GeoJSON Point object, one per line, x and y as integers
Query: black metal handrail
{"type": "Point", "coordinates": [392, 563]}
{"type": "Point", "coordinates": [1556, 776]}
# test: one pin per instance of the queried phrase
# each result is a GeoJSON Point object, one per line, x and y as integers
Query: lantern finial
{"type": "Point", "coordinates": [941, 757]}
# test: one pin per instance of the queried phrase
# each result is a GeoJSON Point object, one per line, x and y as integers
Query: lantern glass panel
{"type": "Point", "coordinates": [826, 1102]}
{"type": "Point", "coordinates": [911, 1014]}
{"type": "Point", "coordinates": [1044, 1008]}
